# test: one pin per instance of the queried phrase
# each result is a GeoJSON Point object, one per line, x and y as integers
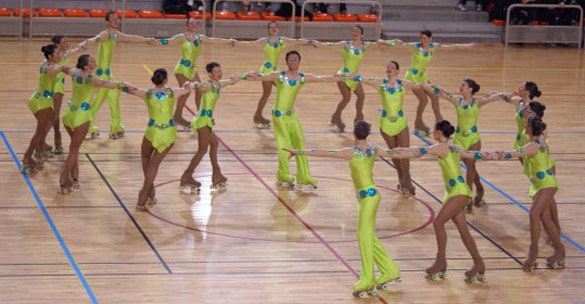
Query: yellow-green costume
{"type": "Point", "coordinates": [538, 169]}
{"type": "Point", "coordinates": [466, 133]}
{"type": "Point", "coordinates": [454, 182]}
{"type": "Point", "coordinates": [272, 52]}
{"type": "Point", "coordinates": [160, 130]}
{"type": "Point", "coordinates": [190, 50]}
{"type": "Point", "coordinates": [103, 71]}
{"type": "Point", "coordinates": [78, 110]}
{"type": "Point", "coordinates": [42, 98]}
{"type": "Point", "coordinates": [205, 114]}
{"type": "Point", "coordinates": [351, 62]}
{"type": "Point", "coordinates": [288, 131]}
{"type": "Point", "coordinates": [371, 250]}
{"type": "Point", "coordinates": [60, 83]}
{"type": "Point", "coordinates": [392, 120]}
{"type": "Point", "coordinates": [418, 64]}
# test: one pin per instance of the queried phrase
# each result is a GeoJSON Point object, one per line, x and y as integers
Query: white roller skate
{"type": "Point", "coordinates": [117, 135]}
{"type": "Point", "coordinates": [478, 277]}
{"type": "Point", "coordinates": [190, 189]}
{"type": "Point", "coordinates": [364, 293]}
{"type": "Point", "coordinates": [286, 185]}
{"type": "Point", "coordinates": [219, 187]}
{"type": "Point", "coordinates": [441, 274]}
{"type": "Point", "coordinates": [339, 126]}
{"type": "Point", "coordinates": [387, 284]}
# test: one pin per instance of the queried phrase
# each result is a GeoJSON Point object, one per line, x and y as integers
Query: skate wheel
{"type": "Point", "coordinates": [28, 169]}
{"type": "Point", "coordinates": [284, 184]}
{"type": "Point", "coordinates": [94, 135]}
{"type": "Point", "coordinates": [75, 185]}
{"type": "Point", "coordinates": [219, 187]}
{"type": "Point", "coordinates": [64, 190]}
{"type": "Point", "coordinates": [58, 150]}
{"type": "Point", "coordinates": [360, 294]}
{"type": "Point", "coordinates": [480, 203]}
{"type": "Point", "coordinates": [261, 126]}
{"type": "Point", "coordinates": [189, 189]}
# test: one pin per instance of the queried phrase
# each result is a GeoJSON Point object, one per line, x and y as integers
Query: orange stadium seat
{"type": "Point", "coordinates": [174, 16]}
{"type": "Point", "coordinates": [25, 12]}
{"type": "Point", "coordinates": [5, 12]}
{"type": "Point", "coordinates": [367, 18]}
{"type": "Point", "coordinates": [252, 16]}
{"type": "Point", "coordinates": [322, 17]}
{"type": "Point", "coordinates": [225, 15]}
{"type": "Point", "coordinates": [199, 15]}
{"type": "Point", "coordinates": [98, 13]}
{"type": "Point", "coordinates": [298, 19]}
{"type": "Point", "coordinates": [498, 22]}
{"type": "Point", "coordinates": [149, 14]}
{"type": "Point", "coordinates": [74, 12]}
{"type": "Point", "coordinates": [49, 12]}
{"type": "Point", "coordinates": [128, 14]}
{"type": "Point", "coordinates": [344, 17]}
{"type": "Point", "coordinates": [270, 16]}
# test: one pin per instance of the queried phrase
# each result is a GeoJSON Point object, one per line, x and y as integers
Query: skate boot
{"type": "Point", "coordinates": [436, 272]}
{"type": "Point", "coordinates": [58, 150]}
{"type": "Point", "coordinates": [75, 185]}
{"type": "Point", "coordinates": [261, 123]}
{"type": "Point", "coordinates": [556, 261]}
{"type": "Point", "coordinates": [285, 184]}
{"type": "Point", "coordinates": [27, 168]}
{"type": "Point", "coordinates": [362, 291]}
{"type": "Point", "coordinates": [117, 135]}
{"type": "Point", "coordinates": [385, 282]}
{"type": "Point", "coordinates": [64, 189]}
{"type": "Point", "coordinates": [339, 126]}
{"type": "Point", "coordinates": [529, 264]}
{"type": "Point", "coordinates": [475, 275]}
{"type": "Point", "coordinates": [190, 187]}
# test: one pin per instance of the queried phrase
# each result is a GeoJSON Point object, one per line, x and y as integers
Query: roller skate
{"type": "Point", "coordinates": [475, 275]}
{"type": "Point", "coordinates": [339, 126]}
{"type": "Point", "coordinates": [180, 121]}
{"type": "Point", "coordinates": [64, 189]}
{"type": "Point", "coordinates": [308, 187]}
{"type": "Point", "coordinates": [285, 184]}
{"type": "Point", "coordinates": [435, 273]}
{"type": "Point", "coordinates": [529, 265]}
{"type": "Point", "coordinates": [478, 203]}
{"type": "Point", "coordinates": [27, 169]}
{"type": "Point", "coordinates": [190, 188]}
{"type": "Point", "coordinates": [58, 150]}
{"type": "Point", "coordinates": [261, 123]}
{"type": "Point", "coordinates": [141, 207]}
{"type": "Point", "coordinates": [407, 191]}
{"type": "Point", "coordinates": [469, 206]}
{"type": "Point", "coordinates": [117, 135]}
{"type": "Point", "coordinates": [556, 261]}
{"type": "Point", "coordinates": [75, 185]}
{"type": "Point", "coordinates": [385, 283]}
{"type": "Point", "coordinates": [362, 291]}
{"type": "Point", "coordinates": [219, 182]}
{"type": "Point", "coordinates": [420, 133]}
{"type": "Point", "coordinates": [151, 201]}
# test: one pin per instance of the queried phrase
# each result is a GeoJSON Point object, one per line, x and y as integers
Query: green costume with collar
{"type": "Point", "coordinates": [351, 62]}
{"type": "Point", "coordinates": [418, 64]}
{"type": "Point", "coordinates": [392, 121]}
{"type": "Point", "coordinates": [160, 130]}
{"type": "Point", "coordinates": [272, 52]}
{"type": "Point", "coordinates": [42, 98]}
{"type": "Point", "coordinates": [371, 249]}
{"type": "Point", "coordinates": [538, 169]}
{"type": "Point", "coordinates": [288, 131]}
{"type": "Point", "coordinates": [205, 114]}
{"type": "Point", "coordinates": [60, 83]}
{"type": "Point", "coordinates": [454, 183]}
{"type": "Point", "coordinates": [78, 109]}
{"type": "Point", "coordinates": [466, 133]}
{"type": "Point", "coordinates": [190, 50]}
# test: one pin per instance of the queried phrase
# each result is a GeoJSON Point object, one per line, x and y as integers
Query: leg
{"type": "Point", "coordinates": [552, 228]}
{"type": "Point", "coordinates": [366, 233]}
{"type": "Point", "coordinates": [345, 97]}
{"type": "Point", "coordinates": [44, 118]}
{"type": "Point", "coordinates": [259, 120]}
{"type": "Point", "coordinates": [435, 105]}
{"type": "Point", "coordinates": [478, 269]}
{"type": "Point", "coordinates": [392, 142]}
{"type": "Point", "coordinates": [152, 158]}
{"type": "Point", "coordinates": [359, 103]}
{"type": "Point", "coordinates": [71, 169]}
{"type": "Point", "coordinates": [204, 138]}
{"type": "Point", "coordinates": [450, 208]}
{"type": "Point", "coordinates": [197, 92]}
{"type": "Point", "coordinates": [419, 125]}
{"type": "Point", "coordinates": [218, 181]}
{"type": "Point", "coordinates": [98, 101]}
{"type": "Point", "coordinates": [181, 101]}
{"type": "Point", "coordinates": [403, 140]}
{"type": "Point", "coordinates": [283, 140]}
{"type": "Point", "coordinates": [116, 126]}
{"type": "Point", "coordinates": [298, 142]}
{"type": "Point", "coordinates": [472, 177]}
{"type": "Point", "coordinates": [57, 101]}
{"type": "Point", "coordinates": [540, 204]}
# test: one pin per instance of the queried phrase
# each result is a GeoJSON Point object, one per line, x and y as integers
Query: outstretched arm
{"type": "Point", "coordinates": [437, 90]}
{"type": "Point", "coordinates": [440, 150]}
{"type": "Point", "coordinates": [456, 46]}
{"type": "Point", "coordinates": [254, 76]}
{"type": "Point", "coordinates": [345, 153]}
{"type": "Point", "coordinates": [54, 69]}
{"type": "Point", "coordinates": [529, 150]}
{"type": "Point", "coordinates": [234, 78]}
{"type": "Point", "coordinates": [339, 44]}
{"type": "Point", "coordinates": [491, 97]}
{"type": "Point", "coordinates": [314, 78]}
{"type": "Point", "coordinates": [132, 38]}
{"type": "Point", "coordinates": [175, 40]}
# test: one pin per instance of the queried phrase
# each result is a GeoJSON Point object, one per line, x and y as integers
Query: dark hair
{"type": "Point", "coordinates": [271, 22]}
{"type": "Point", "coordinates": [532, 89]}
{"type": "Point", "coordinates": [537, 107]}
{"type": "Point", "coordinates": [360, 27]}
{"type": "Point", "coordinates": [395, 63]}
{"type": "Point", "coordinates": [110, 12]}
{"type": "Point", "coordinates": [82, 61]}
{"type": "Point", "coordinates": [427, 33]}
{"type": "Point", "coordinates": [445, 127]}
{"type": "Point", "coordinates": [473, 85]}
{"type": "Point", "coordinates": [209, 67]}
{"type": "Point", "coordinates": [291, 53]}
{"type": "Point", "coordinates": [537, 126]}
{"type": "Point", "coordinates": [361, 129]}
{"type": "Point", "coordinates": [57, 39]}
{"type": "Point", "coordinates": [159, 76]}
{"type": "Point", "coordinates": [48, 49]}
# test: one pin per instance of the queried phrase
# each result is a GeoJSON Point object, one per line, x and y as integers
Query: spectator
{"type": "Point", "coordinates": [480, 5]}
{"type": "Point", "coordinates": [285, 10]}
{"type": "Point", "coordinates": [180, 7]}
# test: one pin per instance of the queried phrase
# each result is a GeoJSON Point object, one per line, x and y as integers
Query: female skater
{"type": "Point", "coordinates": [457, 194]}
{"type": "Point", "coordinates": [421, 56]}
{"type": "Point", "coordinates": [160, 134]}
{"type": "Point", "coordinates": [361, 159]}
{"type": "Point", "coordinates": [466, 133]}
{"type": "Point", "coordinates": [40, 104]}
{"type": "Point", "coordinates": [202, 125]}
{"type": "Point", "coordinates": [77, 116]}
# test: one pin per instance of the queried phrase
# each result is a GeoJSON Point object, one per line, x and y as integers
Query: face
{"type": "Point", "coordinates": [273, 29]}
{"type": "Point", "coordinates": [63, 44]}
{"type": "Point", "coordinates": [356, 33]}
{"type": "Point", "coordinates": [464, 89]}
{"type": "Point", "coordinates": [424, 39]}
{"type": "Point", "coordinates": [57, 55]}
{"type": "Point", "coordinates": [192, 25]}
{"type": "Point", "coordinates": [522, 90]}
{"type": "Point", "coordinates": [91, 64]}
{"type": "Point", "coordinates": [437, 134]}
{"type": "Point", "coordinates": [113, 22]}
{"type": "Point", "coordinates": [215, 74]}
{"type": "Point", "coordinates": [293, 61]}
{"type": "Point", "coordinates": [391, 69]}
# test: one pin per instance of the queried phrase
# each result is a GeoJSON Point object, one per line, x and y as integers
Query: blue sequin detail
{"type": "Point", "coordinates": [268, 64]}
{"type": "Point", "coordinates": [474, 129]}
{"type": "Point", "coordinates": [79, 79]}
{"type": "Point", "coordinates": [369, 153]}
{"type": "Point", "coordinates": [345, 70]}
{"type": "Point", "coordinates": [477, 155]}
{"type": "Point", "coordinates": [400, 113]}
{"type": "Point", "coordinates": [159, 95]}
{"type": "Point", "coordinates": [521, 114]}
{"type": "Point", "coordinates": [452, 183]}
{"type": "Point", "coordinates": [540, 175]}
{"type": "Point", "coordinates": [208, 113]}
{"type": "Point", "coordinates": [99, 72]}
{"type": "Point", "coordinates": [292, 82]}
{"type": "Point", "coordinates": [277, 113]}
{"type": "Point", "coordinates": [358, 78]}
{"type": "Point", "coordinates": [275, 44]}
{"type": "Point", "coordinates": [357, 52]}
{"type": "Point", "coordinates": [549, 172]}
{"type": "Point", "coordinates": [414, 71]}
{"type": "Point", "coordinates": [508, 155]}
{"type": "Point", "coordinates": [47, 94]}
{"type": "Point", "coordinates": [460, 179]}
{"type": "Point", "coordinates": [423, 151]}
{"type": "Point", "coordinates": [85, 106]}
{"type": "Point", "coordinates": [518, 136]}
{"type": "Point", "coordinates": [384, 113]}
{"type": "Point", "coordinates": [196, 42]}
{"type": "Point", "coordinates": [391, 90]}
{"type": "Point", "coordinates": [369, 192]}
{"type": "Point", "coordinates": [152, 123]}
{"type": "Point", "coordinates": [425, 54]}
{"type": "Point", "coordinates": [437, 91]}
{"type": "Point", "coordinates": [164, 41]}
{"type": "Point", "coordinates": [185, 62]}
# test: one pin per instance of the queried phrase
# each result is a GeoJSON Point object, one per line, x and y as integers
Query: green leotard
{"type": "Point", "coordinates": [521, 137]}
{"type": "Point", "coordinates": [190, 50]}
{"type": "Point", "coordinates": [42, 98]}
{"type": "Point", "coordinates": [60, 82]}
{"type": "Point", "coordinates": [272, 52]}
{"type": "Point", "coordinates": [466, 133]}
{"type": "Point", "coordinates": [205, 114]}
{"type": "Point", "coordinates": [288, 131]}
{"type": "Point", "coordinates": [160, 130]}
{"type": "Point", "coordinates": [78, 111]}
{"type": "Point", "coordinates": [454, 182]}
{"type": "Point", "coordinates": [418, 64]}
{"type": "Point", "coordinates": [392, 120]}
{"type": "Point", "coordinates": [538, 169]}
{"type": "Point", "coordinates": [371, 250]}
{"type": "Point", "coordinates": [351, 62]}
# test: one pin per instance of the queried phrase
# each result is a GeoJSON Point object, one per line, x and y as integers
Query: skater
{"type": "Point", "coordinates": [361, 159]}
{"type": "Point", "coordinates": [107, 40]}
{"type": "Point", "coordinates": [202, 125]}
{"type": "Point", "coordinates": [421, 56]}
{"type": "Point", "coordinates": [161, 132]}
{"type": "Point", "coordinates": [467, 133]}
{"type": "Point", "coordinates": [287, 128]}
{"type": "Point", "coordinates": [40, 103]}
{"type": "Point", "coordinates": [77, 116]}
{"type": "Point", "coordinates": [543, 186]}
{"type": "Point", "coordinates": [457, 194]}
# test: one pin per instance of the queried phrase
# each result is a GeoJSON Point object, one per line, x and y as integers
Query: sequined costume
{"type": "Point", "coordinates": [42, 98]}
{"type": "Point", "coordinates": [78, 109]}
{"type": "Point", "coordinates": [521, 136]}
{"type": "Point", "coordinates": [351, 62]}
{"type": "Point", "coordinates": [371, 249]}
{"type": "Point", "coordinates": [418, 64]}
{"type": "Point", "coordinates": [288, 131]}
{"type": "Point", "coordinates": [103, 71]}
{"type": "Point", "coordinates": [190, 50]}
{"type": "Point", "coordinates": [60, 82]}
{"type": "Point", "coordinates": [466, 133]}
{"type": "Point", "coordinates": [272, 52]}
{"type": "Point", "coordinates": [454, 182]}
{"type": "Point", "coordinates": [392, 120]}
{"type": "Point", "coordinates": [205, 113]}
{"type": "Point", "coordinates": [160, 129]}
{"type": "Point", "coordinates": [538, 169]}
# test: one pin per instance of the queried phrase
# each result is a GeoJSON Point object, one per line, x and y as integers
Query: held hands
{"type": "Point", "coordinates": [293, 152]}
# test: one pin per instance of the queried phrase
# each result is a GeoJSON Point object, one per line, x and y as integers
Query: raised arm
{"type": "Point", "coordinates": [435, 89]}
{"type": "Point", "coordinates": [345, 153]}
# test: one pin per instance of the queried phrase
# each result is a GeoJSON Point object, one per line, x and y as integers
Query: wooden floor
{"type": "Point", "coordinates": [255, 243]}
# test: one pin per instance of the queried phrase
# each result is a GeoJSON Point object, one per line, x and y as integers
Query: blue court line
{"type": "Point", "coordinates": [51, 223]}
{"type": "Point", "coordinates": [506, 195]}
